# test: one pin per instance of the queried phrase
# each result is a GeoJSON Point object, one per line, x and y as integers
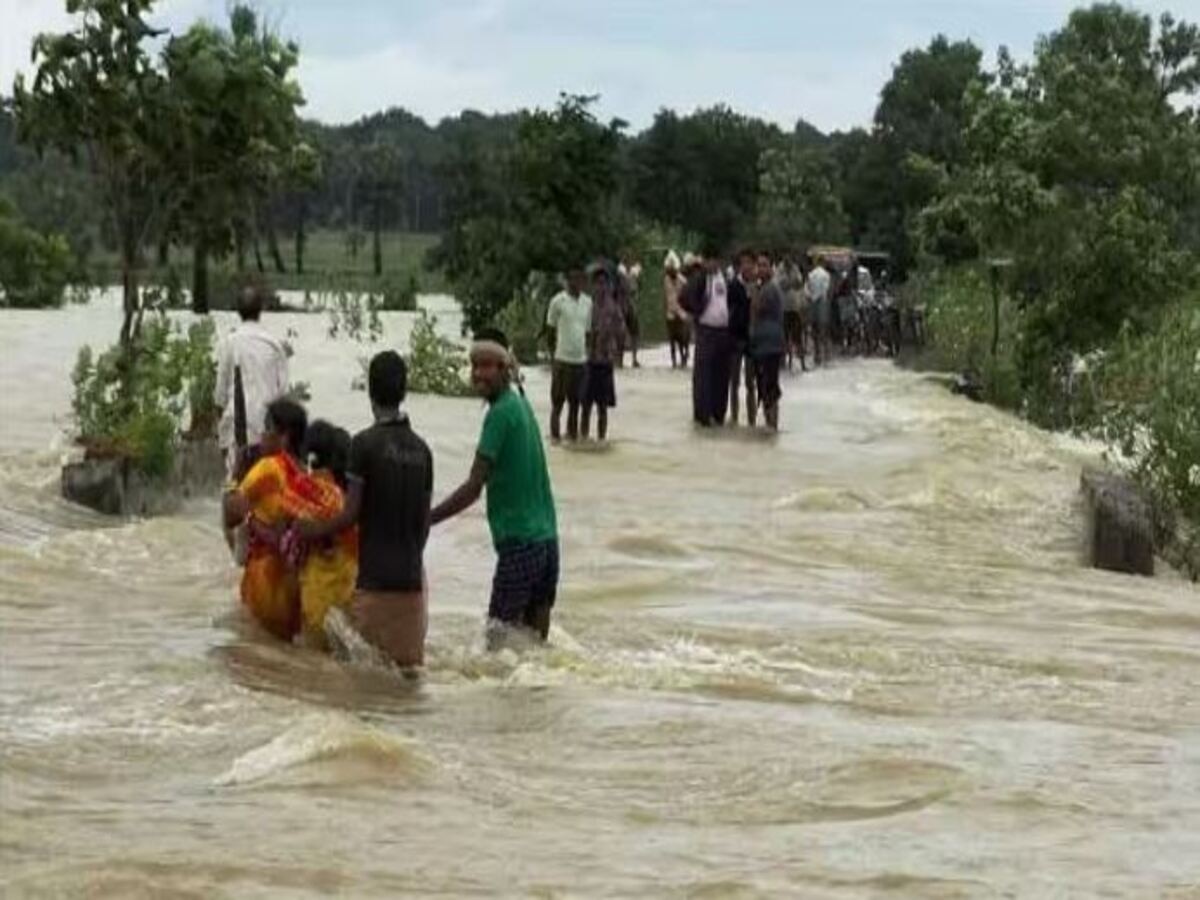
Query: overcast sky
{"type": "Point", "coordinates": [779, 59]}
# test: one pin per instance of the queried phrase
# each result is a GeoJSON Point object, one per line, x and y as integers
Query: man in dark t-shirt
{"type": "Point", "coordinates": [389, 494]}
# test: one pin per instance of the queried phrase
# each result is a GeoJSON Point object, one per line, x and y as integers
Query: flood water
{"type": "Point", "coordinates": [862, 659]}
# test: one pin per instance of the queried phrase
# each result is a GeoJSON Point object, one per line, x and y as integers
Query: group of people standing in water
{"type": "Point", "coordinates": [323, 520]}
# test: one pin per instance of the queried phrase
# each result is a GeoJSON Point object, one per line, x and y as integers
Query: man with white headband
{"type": "Point", "coordinates": [678, 333]}
{"type": "Point", "coordinates": [510, 462]}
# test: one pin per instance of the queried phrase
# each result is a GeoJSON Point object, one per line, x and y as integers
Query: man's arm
{"type": "Point", "coordinates": [466, 494]}
{"type": "Point", "coordinates": [315, 529]}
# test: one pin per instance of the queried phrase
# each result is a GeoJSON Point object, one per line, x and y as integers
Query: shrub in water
{"type": "Point", "coordinates": [134, 401]}
{"type": "Point", "coordinates": [436, 365]}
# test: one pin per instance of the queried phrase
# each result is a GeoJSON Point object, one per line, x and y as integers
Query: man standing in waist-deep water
{"type": "Point", "coordinates": [511, 463]}
{"type": "Point", "coordinates": [569, 317]}
{"type": "Point", "coordinates": [707, 299]}
{"type": "Point", "coordinates": [389, 494]}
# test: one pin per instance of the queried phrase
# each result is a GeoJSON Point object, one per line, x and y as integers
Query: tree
{"type": "Point", "coordinates": [798, 203]}
{"type": "Point", "coordinates": [238, 138]}
{"type": "Point", "coordinates": [890, 174]}
{"type": "Point", "coordinates": [34, 268]}
{"type": "Point", "coordinates": [382, 180]}
{"type": "Point", "coordinates": [1082, 167]}
{"type": "Point", "coordinates": [542, 202]}
{"type": "Point", "coordinates": [700, 172]}
{"type": "Point", "coordinates": [97, 92]}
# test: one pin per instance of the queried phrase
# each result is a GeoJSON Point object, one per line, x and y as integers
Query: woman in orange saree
{"type": "Point", "coordinates": [276, 491]}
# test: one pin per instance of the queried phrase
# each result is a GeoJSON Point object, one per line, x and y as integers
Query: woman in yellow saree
{"type": "Point", "coordinates": [276, 491]}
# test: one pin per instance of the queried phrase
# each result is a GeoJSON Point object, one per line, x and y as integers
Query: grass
{"type": "Point", "coordinates": [328, 265]}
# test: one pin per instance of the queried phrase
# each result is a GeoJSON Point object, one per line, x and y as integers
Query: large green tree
{"type": "Point", "coordinates": [890, 174]}
{"type": "Point", "coordinates": [798, 204]}
{"type": "Point", "coordinates": [98, 93]}
{"type": "Point", "coordinates": [1084, 167]}
{"type": "Point", "coordinates": [543, 202]}
{"type": "Point", "coordinates": [701, 172]}
{"type": "Point", "coordinates": [238, 134]}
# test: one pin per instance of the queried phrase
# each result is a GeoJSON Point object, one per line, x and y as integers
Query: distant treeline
{"type": "Point", "coordinates": [714, 173]}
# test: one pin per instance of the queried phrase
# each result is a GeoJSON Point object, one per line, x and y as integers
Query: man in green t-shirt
{"type": "Point", "coordinates": [511, 463]}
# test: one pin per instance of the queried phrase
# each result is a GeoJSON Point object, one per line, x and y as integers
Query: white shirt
{"type": "Point", "coordinates": [716, 312]}
{"type": "Point", "coordinates": [817, 287]}
{"type": "Point", "coordinates": [263, 361]}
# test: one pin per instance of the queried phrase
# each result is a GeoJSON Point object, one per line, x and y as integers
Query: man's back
{"type": "Point", "coordinates": [263, 362]}
{"type": "Point", "coordinates": [396, 470]}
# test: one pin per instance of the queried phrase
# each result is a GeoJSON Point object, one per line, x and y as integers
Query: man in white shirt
{"type": "Point", "coordinates": [817, 291]}
{"type": "Point", "coordinates": [263, 361]}
{"type": "Point", "coordinates": [570, 318]}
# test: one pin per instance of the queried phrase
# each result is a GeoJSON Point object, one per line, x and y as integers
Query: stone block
{"type": "Point", "coordinates": [1120, 524]}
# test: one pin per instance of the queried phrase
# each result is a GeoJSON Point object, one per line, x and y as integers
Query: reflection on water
{"type": "Point", "coordinates": [861, 658]}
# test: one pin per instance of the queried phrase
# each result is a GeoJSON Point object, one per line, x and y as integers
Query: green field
{"type": "Point", "coordinates": [328, 265]}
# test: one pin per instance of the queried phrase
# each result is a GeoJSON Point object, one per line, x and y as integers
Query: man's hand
{"type": "Point", "coordinates": [466, 494]}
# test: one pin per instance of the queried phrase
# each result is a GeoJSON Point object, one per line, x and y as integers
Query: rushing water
{"type": "Point", "coordinates": [859, 659]}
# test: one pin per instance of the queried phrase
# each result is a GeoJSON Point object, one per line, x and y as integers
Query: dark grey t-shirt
{"type": "Point", "coordinates": [766, 333]}
{"type": "Point", "coordinates": [396, 471]}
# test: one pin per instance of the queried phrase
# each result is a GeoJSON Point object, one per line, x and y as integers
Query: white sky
{"type": "Point", "coordinates": [779, 59]}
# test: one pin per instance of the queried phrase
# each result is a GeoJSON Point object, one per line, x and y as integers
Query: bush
{"type": "Point", "coordinates": [524, 319]}
{"type": "Point", "coordinates": [400, 293]}
{"type": "Point", "coordinates": [133, 401]}
{"type": "Point", "coordinates": [959, 323]}
{"type": "Point", "coordinates": [355, 316]}
{"type": "Point", "coordinates": [35, 269]}
{"type": "Point", "coordinates": [435, 364]}
{"type": "Point", "coordinates": [1150, 390]}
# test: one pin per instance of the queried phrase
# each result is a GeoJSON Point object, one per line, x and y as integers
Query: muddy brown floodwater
{"type": "Point", "coordinates": [862, 659]}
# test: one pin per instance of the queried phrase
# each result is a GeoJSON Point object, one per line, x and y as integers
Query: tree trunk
{"type": "Point", "coordinates": [258, 260]}
{"type": "Point", "coordinates": [129, 282]}
{"type": "Point", "coordinates": [301, 212]}
{"type": "Point", "coordinates": [200, 276]}
{"type": "Point", "coordinates": [377, 248]}
{"type": "Point", "coordinates": [239, 241]}
{"type": "Point", "coordinates": [273, 243]}
{"type": "Point", "coordinates": [164, 253]}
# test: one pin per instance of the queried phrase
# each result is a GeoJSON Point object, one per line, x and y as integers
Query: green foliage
{"type": "Point", "coordinates": [543, 203]}
{"type": "Point", "coordinates": [1075, 168]}
{"type": "Point", "coordinates": [354, 316]}
{"type": "Point", "coordinates": [134, 399]}
{"type": "Point", "coordinates": [35, 269]}
{"type": "Point", "coordinates": [523, 320]}
{"type": "Point", "coordinates": [1150, 385]}
{"type": "Point", "coordinates": [97, 92]}
{"type": "Point", "coordinates": [435, 364]}
{"type": "Point", "coordinates": [701, 172]}
{"type": "Point", "coordinates": [798, 204]}
{"type": "Point", "coordinates": [959, 320]}
{"type": "Point", "coordinates": [236, 135]}
{"type": "Point", "coordinates": [400, 293]}
{"type": "Point", "coordinates": [890, 174]}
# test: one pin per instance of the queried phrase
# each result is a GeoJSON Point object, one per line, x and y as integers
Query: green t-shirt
{"type": "Point", "coordinates": [520, 504]}
{"type": "Point", "coordinates": [571, 319]}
